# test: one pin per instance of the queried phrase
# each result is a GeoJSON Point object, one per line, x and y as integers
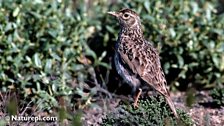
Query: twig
{"type": "Point", "coordinates": [99, 88]}
{"type": "Point", "coordinates": [27, 106]}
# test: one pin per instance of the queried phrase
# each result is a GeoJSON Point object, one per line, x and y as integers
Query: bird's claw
{"type": "Point", "coordinates": [136, 105]}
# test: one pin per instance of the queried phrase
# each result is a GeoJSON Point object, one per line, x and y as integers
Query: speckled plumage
{"type": "Point", "coordinates": [135, 58]}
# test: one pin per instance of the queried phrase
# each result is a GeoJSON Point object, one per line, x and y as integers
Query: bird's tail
{"type": "Point", "coordinates": [170, 102]}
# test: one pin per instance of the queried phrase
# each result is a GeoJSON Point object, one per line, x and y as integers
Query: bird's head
{"type": "Point", "coordinates": [127, 18]}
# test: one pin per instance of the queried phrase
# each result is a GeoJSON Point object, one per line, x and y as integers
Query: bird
{"type": "Point", "coordinates": [136, 59]}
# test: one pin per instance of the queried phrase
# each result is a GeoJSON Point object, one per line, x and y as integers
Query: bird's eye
{"type": "Point", "coordinates": [126, 16]}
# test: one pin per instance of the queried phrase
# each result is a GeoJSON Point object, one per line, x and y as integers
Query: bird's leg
{"type": "Point", "coordinates": [137, 97]}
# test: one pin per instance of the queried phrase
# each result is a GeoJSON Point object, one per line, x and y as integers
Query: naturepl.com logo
{"type": "Point", "coordinates": [29, 118]}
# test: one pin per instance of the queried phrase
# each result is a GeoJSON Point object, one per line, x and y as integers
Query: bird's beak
{"type": "Point", "coordinates": [113, 13]}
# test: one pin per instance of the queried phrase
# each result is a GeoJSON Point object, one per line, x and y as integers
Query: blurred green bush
{"type": "Point", "coordinates": [53, 48]}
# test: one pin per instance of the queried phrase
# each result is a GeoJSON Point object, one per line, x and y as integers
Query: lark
{"type": "Point", "coordinates": [136, 59]}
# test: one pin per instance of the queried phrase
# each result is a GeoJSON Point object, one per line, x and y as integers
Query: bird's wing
{"type": "Point", "coordinates": [143, 60]}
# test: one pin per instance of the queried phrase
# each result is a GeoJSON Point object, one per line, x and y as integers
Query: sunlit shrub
{"type": "Point", "coordinates": [152, 111]}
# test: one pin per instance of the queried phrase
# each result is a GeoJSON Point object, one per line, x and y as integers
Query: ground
{"type": "Point", "coordinates": [202, 112]}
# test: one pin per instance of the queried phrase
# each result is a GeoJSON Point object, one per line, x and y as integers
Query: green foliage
{"type": "Point", "coordinates": [218, 96]}
{"type": "Point", "coordinates": [151, 112]}
{"type": "Point", "coordinates": [43, 49]}
{"type": "Point", "coordinates": [190, 37]}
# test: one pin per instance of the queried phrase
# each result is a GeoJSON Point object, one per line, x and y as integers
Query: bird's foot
{"type": "Point", "coordinates": [135, 105]}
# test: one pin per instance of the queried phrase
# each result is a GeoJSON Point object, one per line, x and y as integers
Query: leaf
{"type": "Point", "coordinates": [90, 52]}
{"type": "Point", "coordinates": [106, 65]}
{"type": "Point", "coordinates": [28, 59]}
{"type": "Point", "coordinates": [77, 67]}
{"type": "Point", "coordinates": [37, 60]}
{"type": "Point", "coordinates": [147, 5]}
{"type": "Point", "coordinates": [48, 65]}
{"type": "Point", "coordinates": [215, 60]}
{"type": "Point", "coordinates": [102, 56]}
{"type": "Point", "coordinates": [55, 56]}
{"type": "Point", "coordinates": [180, 61]}
{"type": "Point", "coordinates": [195, 7]}
{"type": "Point", "coordinates": [16, 12]}
{"type": "Point", "coordinates": [110, 29]}
{"type": "Point", "coordinates": [172, 32]}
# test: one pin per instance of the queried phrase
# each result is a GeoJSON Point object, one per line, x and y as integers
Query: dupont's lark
{"type": "Point", "coordinates": [136, 59]}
